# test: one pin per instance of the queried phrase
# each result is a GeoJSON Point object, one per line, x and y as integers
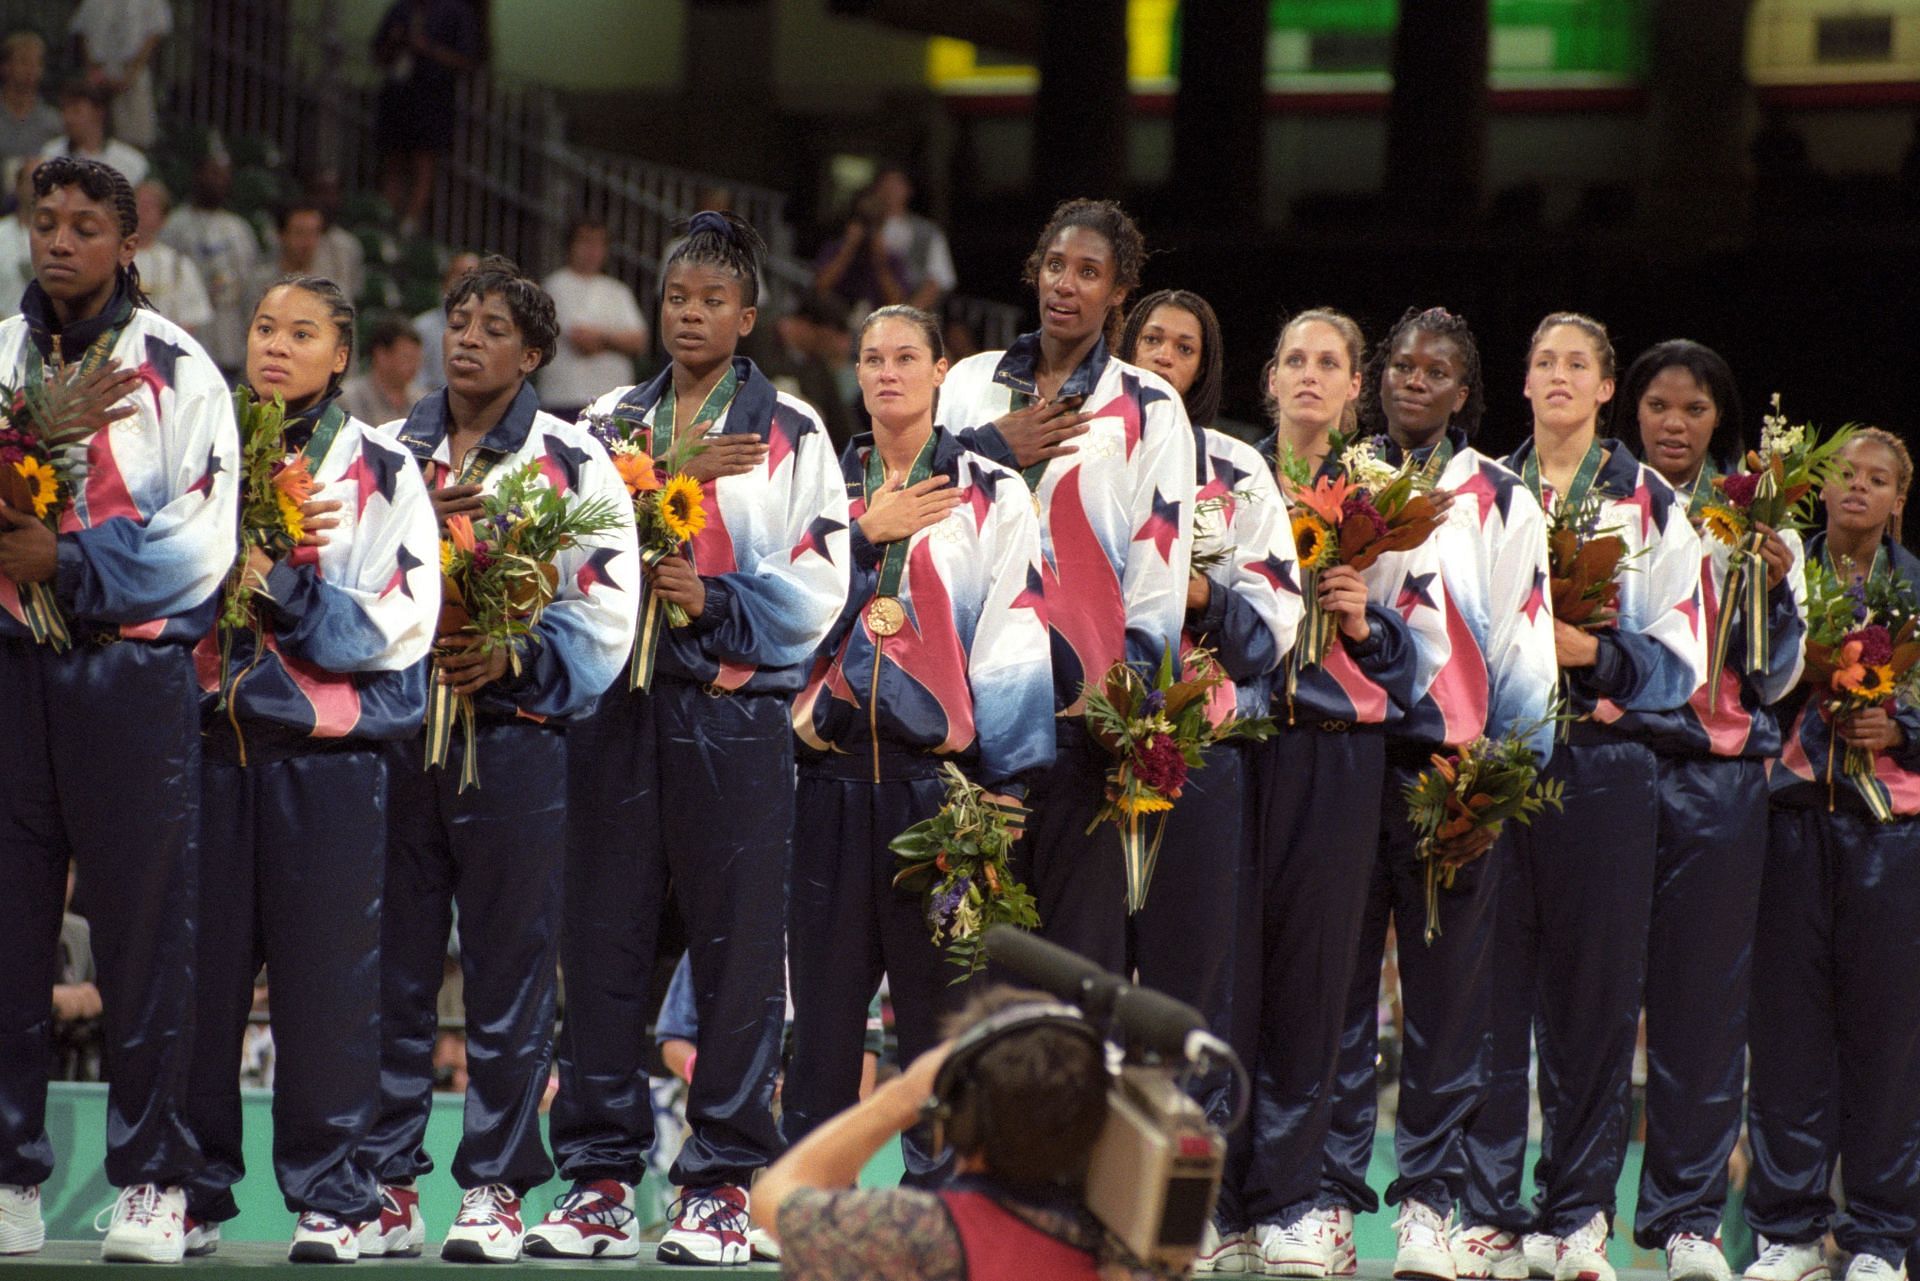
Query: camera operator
{"type": "Point", "coordinates": [1020, 1094]}
{"type": "Point", "coordinates": [858, 268]}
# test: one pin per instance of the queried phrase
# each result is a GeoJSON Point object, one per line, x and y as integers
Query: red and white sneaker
{"type": "Point", "coordinates": [1303, 1248]}
{"type": "Point", "coordinates": [1235, 1252]}
{"type": "Point", "coordinates": [487, 1229]}
{"type": "Point", "coordinates": [1339, 1221]}
{"type": "Point", "coordinates": [202, 1238]}
{"type": "Point", "coordinates": [321, 1238]}
{"type": "Point", "coordinates": [593, 1221]}
{"type": "Point", "coordinates": [709, 1226]}
{"type": "Point", "coordinates": [1482, 1253]}
{"type": "Point", "coordinates": [398, 1231]}
{"type": "Point", "coordinates": [21, 1229]}
{"type": "Point", "coordinates": [149, 1225]}
{"type": "Point", "coordinates": [1583, 1252]}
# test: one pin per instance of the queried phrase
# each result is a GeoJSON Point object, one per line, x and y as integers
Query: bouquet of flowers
{"type": "Point", "coordinates": [1775, 487]}
{"type": "Point", "coordinates": [1157, 731]}
{"type": "Point", "coordinates": [1355, 519]}
{"type": "Point", "coordinates": [1862, 651]}
{"type": "Point", "coordinates": [36, 478]}
{"type": "Point", "coordinates": [1584, 563]}
{"type": "Point", "coordinates": [669, 509]}
{"type": "Point", "coordinates": [959, 860]}
{"type": "Point", "coordinates": [1476, 787]}
{"type": "Point", "coordinates": [497, 576]}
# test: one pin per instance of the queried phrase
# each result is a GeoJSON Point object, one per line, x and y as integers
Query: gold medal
{"type": "Point", "coordinates": [886, 615]}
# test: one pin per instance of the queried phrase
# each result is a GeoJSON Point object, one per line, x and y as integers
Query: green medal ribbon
{"type": "Point", "coordinates": [893, 561]}
{"type": "Point", "coordinates": [656, 616]}
{"type": "Point", "coordinates": [1583, 476]}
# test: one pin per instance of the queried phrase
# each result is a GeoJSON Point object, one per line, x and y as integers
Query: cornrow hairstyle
{"type": "Point", "coordinates": [1903, 468]}
{"type": "Point", "coordinates": [1593, 329]}
{"type": "Point", "coordinates": [925, 322]}
{"type": "Point", "coordinates": [531, 306]}
{"type": "Point", "coordinates": [1203, 398]}
{"type": "Point", "coordinates": [1350, 335]}
{"type": "Point", "coordinates": [1109, 220]}
{"type": "Point", "coordinates": [105, 185]}
{"type": "Point", "coordinates": [1708, 369]}
{"type": "Point", "coordinates": [722, 239]}
{"type": "Point", "coordinates": [340, 314]}
{"type": "Point", "coordinates": [1441, 323]}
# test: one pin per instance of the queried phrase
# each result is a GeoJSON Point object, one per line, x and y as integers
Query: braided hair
{"type": "Point", "coordinates": [106, 185]}
{"type": "Point", "coordinates": [724, 240]}
{"type": "Point", "coordinates": [1441, 323]}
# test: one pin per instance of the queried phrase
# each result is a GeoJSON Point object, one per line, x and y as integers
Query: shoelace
{"type": "Point", "coordinates": [316, 1222]}
{"type": "Point", "coordinates": [709, 1212]}
{"type": "Point", "coordinates": [591, 1206]}
{"type": "Point", "coordinates": [135, 1205]}
{"type": "Point", "coordinates": [1420, 1218]}
{"type": "Point", "coordinates": [484, 1203]}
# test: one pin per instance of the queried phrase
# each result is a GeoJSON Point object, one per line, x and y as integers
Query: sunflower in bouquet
{"type": "Point", "coordinates": [497, 577]}
{"type": "Point", "coordinates": [1773, 489]}
{"type": "Point", "coordinates": [1353, 519]}
{"type": "Point", "coordinates": [1157, 731]}
{"type": "Point", "coordinates": [1863, 649]}
{"type": "Point", "coordinates": [669, 511]}
{"type": "Point", "coordinates": [960, 862]}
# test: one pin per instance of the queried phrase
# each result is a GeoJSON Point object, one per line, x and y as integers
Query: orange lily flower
{"type": "Point", "coordinates": [638, 471]}
{"type": "Point", "coordinates": [1848, 670]}
{"type": "Point", "coordinates": [460, 531]}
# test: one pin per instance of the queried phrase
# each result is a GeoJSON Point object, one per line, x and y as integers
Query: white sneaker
{"type": "Point", "coordinates": [709, 1226]}
{"type": "Point", "coordinates": [1339, 1221]}
{"type": "Point", "coordinates": [1482, 1253]}
{"type": "Point", "coordinates": [487, 1229]}
{"type": "Point", "coordinates": [149, 1225]}
{"type": "Point", "coordinates": [397, 1231]}
{"type": "Point", "coordinates": [1542, 1250]}
{"type": "Point", "coordinates": [1235, 1252]}
{"type": "Point", "coordinates": [21, 1229]}
{"type": "Point", "coordinates": [1871, 1267]}
{"type": "Point", "coordinates": [593, 1220]}
{"type": "Point", "coordinates": [321, 1238]}
{"type": "Point", "coordinates": [1583, 1253]}
{"type": "Point", "coordinates": [762, 1248]}
{"type": "Point", "coordinates": [1691, 1257]}
{"type": "Point", "coordinates": [202, 1238]}
{"type": "Point", "coordinates": [1303, 1248]}
{"type": "Point", "coordinates": [1422, 1235]}
{"type": "Point", "coordinates": [1780, 1261]}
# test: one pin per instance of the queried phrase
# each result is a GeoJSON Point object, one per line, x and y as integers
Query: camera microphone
{"type": "Point", "coordinates": [1143, 1020]}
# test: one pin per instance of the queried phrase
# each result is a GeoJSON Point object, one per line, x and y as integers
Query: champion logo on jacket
{"type": "Point", "coordinates": [581, 641]}
{"type": "Point", "coordinates": [774, 550]}
{"type": "Point", "coordinates": [346, 624]}
{"type": "Point", "coordinates": [968, 674]}
{"type": "Point", "coordinates": [1116, 514]}
{"type": "Point", "coordinates": [154, 522]}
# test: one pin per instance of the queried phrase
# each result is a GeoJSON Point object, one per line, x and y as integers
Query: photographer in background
{"type": "Point", "coordinates": [1020, 1094]}
{"type": "Point", "coordinates": [858, 268]}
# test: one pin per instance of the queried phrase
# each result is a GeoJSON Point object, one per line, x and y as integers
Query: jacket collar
{"type": "Point", "coordinates": [1019, 362]}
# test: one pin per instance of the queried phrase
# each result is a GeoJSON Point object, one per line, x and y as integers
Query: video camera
{"type": "Point", "coordinates": [1156, 1166]}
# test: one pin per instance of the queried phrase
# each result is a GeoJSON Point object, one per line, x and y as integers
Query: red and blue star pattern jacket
{"type": "Point", "coordinates": [1799, 776]}
{"type": "Point", "coordinates": [582, 639]}
{"type": "Point", "coordinates": [1655, 655]}
{"type": "Point", "coordinates": [1254, 604]}
{"type": "Point", "coordinates": [1501, 672]}
{"type": "Point", "coordinates": [152, 528]}
{"type": "Point", "coordinates": [1742, 717]}
{"type": "Point", "coordinates": [969, 674]}
{"type": "Point", "coordinates": [774, 550]}
{"type": "Point", "coordinates": [346, 624]}
{"type": "Point", "coordinates": [1116, 515]}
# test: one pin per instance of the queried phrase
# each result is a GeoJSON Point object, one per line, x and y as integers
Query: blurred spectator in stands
{"type": "Point", "coordinates": [391, 384]}
{"type": "Point", "coordinates": [16, 256]}
{"type": "Point", "coordinates": [76, 1000]}
{"type": "Point", "coordinates": [83, 114]}
{"type": "Point", "coordinates": [223, 246]}
{"type": "Point", "coordinates": [961, 340]}
{"type": "Point", "coordinates": [300, 226]}
{"type": "Point", "coordinates": [169, 277]}
{"type": "Point", "coordinates": [858, 268]}
{"type": "Point", "coordinates": [116, 41]}
{"type": "Point", "coordinates": [423, 46]}
{"type": "Point", "coordinates": [812, 348]}
{"type": "Point", "coordinates": [431, 324]}
{"type": "Point", "coordinates": [601, 328]}
{"type": "Point", "coordinates": [340, 257]}
{"type": "Point", "coordinates": [916, 240]}
{"type": "Point", "coordinates": [28, 121]}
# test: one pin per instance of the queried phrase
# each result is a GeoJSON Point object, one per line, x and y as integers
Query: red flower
{"type": "Point", "coordinates": [1160, 765]}
{"type": "Point", "coordinates": [1359, 505]}
{"type": "Point", "coordinates": [1876, 645]}
{"type": "Point", "coordinates": [1739, 488]}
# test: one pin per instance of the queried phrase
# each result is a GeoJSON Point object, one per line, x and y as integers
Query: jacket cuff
{"type": "Point", "coordinates": [867, 554]}
{"type": "Point", "coordinates": [1609, 665]}
{"type": "Point", "coordinates": [69, 571]}
{"type": "Point", "coordinates": [1212, 616]}
{"type": "Point", "coordinates": [716, 612]}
